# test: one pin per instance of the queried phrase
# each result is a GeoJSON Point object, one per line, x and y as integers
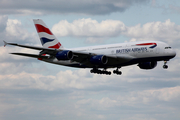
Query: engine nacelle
{"type": "Point", "coordinates": [64, 55]}
{"type": "Point", "coordinates": [148, 65]}
{"type": "Point", "coordinates": [99, 60]}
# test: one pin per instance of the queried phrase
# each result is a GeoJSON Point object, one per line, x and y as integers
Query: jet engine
{"type": "Point", "coordinates": [64, 55]}
{"type": "Point", "coordinates": [148, 65]}
{"type": "Point", "coordinates": [99, 59]}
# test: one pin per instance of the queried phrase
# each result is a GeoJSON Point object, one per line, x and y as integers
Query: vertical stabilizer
{"type": "Point", "coordinates": [47, 38]}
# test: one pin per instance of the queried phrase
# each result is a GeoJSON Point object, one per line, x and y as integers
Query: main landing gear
{"type": "Point", "coordinates": [165, 66]}
{"type": "Point", "coordinates": [100, 71]}
{"type": "Point", "coordinates": [117, 72]}
{"type": "Point", "coordinates": [95, 70]}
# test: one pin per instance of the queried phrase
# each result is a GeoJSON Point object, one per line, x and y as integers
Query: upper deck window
{"type": "Point", "coordinates": [167, 47]}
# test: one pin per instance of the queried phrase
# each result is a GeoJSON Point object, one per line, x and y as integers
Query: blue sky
{"type": "Point", "coordinates": [30, 89]}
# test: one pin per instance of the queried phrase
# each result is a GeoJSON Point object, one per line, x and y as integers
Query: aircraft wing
{"type": "Point", "coordinates": [81, 57]}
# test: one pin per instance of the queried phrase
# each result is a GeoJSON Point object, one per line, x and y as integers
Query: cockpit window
{"type": "Point", "coordinates": [167, 47]}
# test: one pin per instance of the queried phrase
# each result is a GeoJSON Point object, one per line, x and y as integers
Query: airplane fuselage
{"type": "Point", "coordinates": [137, 52]}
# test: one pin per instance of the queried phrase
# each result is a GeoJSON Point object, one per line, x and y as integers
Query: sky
{"type": "Point", "coordinates": [31, 89]}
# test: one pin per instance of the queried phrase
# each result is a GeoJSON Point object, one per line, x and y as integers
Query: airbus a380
{"type": "Point", "coordinates": [99, 58]}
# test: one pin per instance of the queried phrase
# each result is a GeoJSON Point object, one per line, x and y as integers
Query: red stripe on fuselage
{"type": "Point", "coordinates": [41, 28]}
{"type": "Point", "coordinates": [147, 44]}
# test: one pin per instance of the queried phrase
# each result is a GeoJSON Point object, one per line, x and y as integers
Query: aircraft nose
{"type": "Point", "coordinates": [173, 53]}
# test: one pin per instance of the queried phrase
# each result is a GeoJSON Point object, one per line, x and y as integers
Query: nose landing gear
{"type": "Point", "coordinates": [165, 66]}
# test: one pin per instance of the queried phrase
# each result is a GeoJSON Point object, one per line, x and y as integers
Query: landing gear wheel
{"type": "Point", "coordinates": [165, 66]}
{"type": "Point", "coordinates": [100, 71]}
{"type": "Point", "coordinates": [117, 72]}
{"type": "Point", "coordinates": [109, 73]}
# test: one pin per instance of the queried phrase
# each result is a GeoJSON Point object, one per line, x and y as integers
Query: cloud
{"type": "Point", "coordinates": [174, 9]}
{"type": "Point", "coordinates": [13, 30]}
{"type": "Point", "coordinates": [89, 28]}
{"type": "Point", "coordinates": [3, 20]}
{"type": "Point", "coordinates": [96, 31]}
{"type": "Point", "coordinates": [133, 98]}
{"type": "Point", "coordinates": [155, 30]}
{"type": "Point", "coordinates": [168, 7]}
{"type": "Point", "coordinates": [166, 31]}
{"type": "Point", "coordinates": [92, 7]}
{"type": "Point", "coordinates": [80, 94]}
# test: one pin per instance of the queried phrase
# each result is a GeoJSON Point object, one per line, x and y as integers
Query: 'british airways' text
{"type": "Point", "coordinates": [142, 49]}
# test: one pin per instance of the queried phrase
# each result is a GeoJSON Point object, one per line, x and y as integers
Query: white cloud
{"type": "Point", "coordinates": [89, 28]}
{"type": "Point", "coordinates": [15, 31]}
{"type": "Point", "coordinates": [12, 30]}
{"type": "Point", "coordinates": [88, 95]}
{"type": "Point", "coordinates": [165, 94]}
{"type": "Point", "coordinates": [96, 31]}
{"type": "Point", "coordinates": [165, 31]}
{"type": "Point", "coordinates": [3, 20]}
{"type": "Point", "coordinates": [174, 8]}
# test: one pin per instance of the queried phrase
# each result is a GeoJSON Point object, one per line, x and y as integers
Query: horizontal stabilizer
{"type": "Point", "coordinates": [32, 47]}
{"type": "Point", "coordinates": [5, 43]}
{"type": "Point", "coordinates": [30, 55]}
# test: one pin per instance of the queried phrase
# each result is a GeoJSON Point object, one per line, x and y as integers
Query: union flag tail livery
{"type": "Point", "coordinates": [48, 40]}
{"type": "Point", "coordinates": [145, 54]}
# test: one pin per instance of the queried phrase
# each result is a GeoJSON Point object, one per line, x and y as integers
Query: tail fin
{"type": "Point", "coordinates": [47, 38]}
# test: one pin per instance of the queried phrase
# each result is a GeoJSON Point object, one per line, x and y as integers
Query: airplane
{"type": "Point", "coordinates": [99, 58]}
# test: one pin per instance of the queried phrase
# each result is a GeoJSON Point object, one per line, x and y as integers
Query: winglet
{"type": "Point", "coordinates": [5, 43]}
